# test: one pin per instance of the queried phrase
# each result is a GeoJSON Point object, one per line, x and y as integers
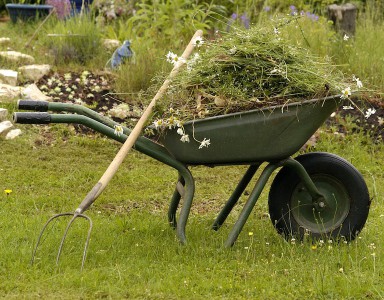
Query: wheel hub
{"type": "Point", "coordinates": [324, 214]}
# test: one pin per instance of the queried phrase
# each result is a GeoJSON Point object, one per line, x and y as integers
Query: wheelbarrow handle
{"type": "Point", "coordinates": [34, 105]}
{"type": "Point", "coordinates": [32, 118]}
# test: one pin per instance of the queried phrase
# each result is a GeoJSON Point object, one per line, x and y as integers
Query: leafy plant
{"type": "Point", "coordinates": [77, 40]}
{"type": "Point", "coordinates": [173, 20]}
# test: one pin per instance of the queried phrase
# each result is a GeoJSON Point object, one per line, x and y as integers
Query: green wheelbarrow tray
{"type": "Point", "coordinates": [270, 135]}
{"type": "Point", "coordinates": [260, 135]}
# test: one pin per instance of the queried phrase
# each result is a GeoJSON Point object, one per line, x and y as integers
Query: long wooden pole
{"type": "Point", "coordinates": [133, 136]}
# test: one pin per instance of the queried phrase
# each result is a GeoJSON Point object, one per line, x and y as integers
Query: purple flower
{"type": "Point", "coordinates": [245, 20]}
{"type": "Point", "coordinates": [293, 8]}
{"type": "Point", "coordinates": [234, 16]}
{"type": "Point", "coordinates": [267, 8]}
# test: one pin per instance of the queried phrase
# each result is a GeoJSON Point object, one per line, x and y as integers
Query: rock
{"type": "Point", "coordinates": [34, 72]}
{"type": "Point", "coordinates": [17, 56]}
{"type": "Point", "coordinates": [3, 114]}
{"type": "Point", "coordinates": [12, 134]}
{"type": "Point", "coordinates": [8, 77]}
{"type": "Point", "coordinates": [4, 40]}
{"type": "Point", "coordinates": [32, 92]}
{"type": "Point", "coordinates": [110, 44]}
{"type": "Point", "coordinates": [5, 126]}
{"type": "Point", "coordinates": [8, 92]}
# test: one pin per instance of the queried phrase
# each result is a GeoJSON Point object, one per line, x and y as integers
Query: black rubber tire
{"type": "Point", "coordinates": [328, 171]}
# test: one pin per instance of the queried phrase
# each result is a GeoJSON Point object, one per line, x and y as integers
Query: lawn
{"type": "Point", "coordinates": [133, 252]}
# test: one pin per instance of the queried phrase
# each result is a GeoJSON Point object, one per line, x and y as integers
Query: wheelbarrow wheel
{"type": "Point", "coordinates": [347, 201]}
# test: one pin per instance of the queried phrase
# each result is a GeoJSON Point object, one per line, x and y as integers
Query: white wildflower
{"type": "Point", "coordinates": [198, 41]}
{"type": "Point", "coordinates": [173, 58]}
{"type": "Point", "coordinates": [370, 112]}
{"type": "Point", "coordinates": [346, 37]}
{"type": "Point", "coordinates": [170, 56]}
{"type": "Point", "coordinates": [276, 31]}
{"type": "Point", "coordinates": [345, 93]}
{"type": "Point", "coordinates": [205, 143]}
{"type": "Point", "coordinates": [185, 138]}
{"type": "Point", "coordinates": [233, 50]}
{"type": "Point", "coordinates": [180, 131]}
{"type": "Point", "coordinates": [348, 107]}
{"type": "Point", "coordinates": [358, 82]}
{"type": "Point", "coordinates": [118, 130]}
{"type": "Point", "coordinates": [158, 123]}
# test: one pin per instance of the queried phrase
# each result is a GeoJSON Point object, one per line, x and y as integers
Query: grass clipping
{"type": "Point", "coordinates": [244, 70]}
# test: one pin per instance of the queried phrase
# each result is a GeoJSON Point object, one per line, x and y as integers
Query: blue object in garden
{"type": "Point", "coordinates": [122, 53]}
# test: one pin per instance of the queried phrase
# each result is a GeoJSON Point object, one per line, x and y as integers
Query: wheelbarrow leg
{"type": "Point", "coordinates": [177, 194]}
{"type": "Point", "coordinates": [253, 197]}
{"type": "Point", "coordinates": [189, 191]}
{"type": "Point", "coordinates": [235, 196]}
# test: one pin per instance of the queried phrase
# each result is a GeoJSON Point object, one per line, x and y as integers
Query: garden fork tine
{"type": "Point", "coordinates": [117, 161]}
{"type": "Point", "coordinates": [74, 216]}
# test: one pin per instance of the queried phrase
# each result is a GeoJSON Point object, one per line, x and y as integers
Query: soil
{"type": "Point", "coordinates": [96, 92]}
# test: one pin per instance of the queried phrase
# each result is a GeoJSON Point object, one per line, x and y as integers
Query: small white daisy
{"type": "Point", "coordinates": [370, 112]}
{"type": "Point", "coordinates": [198, 41]}
{"type": "Point", "coordinates": [185, 138]}
{"type": "Point", "coordinates": [118, 130]}
{"type": "Point", "coordinates": [345, 93]}
{"type": "Point", "coordinates": [205, 143]}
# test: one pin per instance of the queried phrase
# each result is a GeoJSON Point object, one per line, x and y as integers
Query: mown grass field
{"type": "Point", "coordinates": [135, 254]}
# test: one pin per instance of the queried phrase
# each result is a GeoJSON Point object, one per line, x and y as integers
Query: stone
{"type": "Point", "coordinates": [5, 126]}
{"type": "Point", "coordinates": [8, 77]}
{"type": "Point", "coordinates": [12, 134]}
{"type": "Point", "coordinates": [33, 92]}
{"type": "Point", "coordinates": [34, 72]}
{"type": "Point", "coordinates": [17, 56]}
{"type": "Point", "coordinates": [3, 114]}
{"type": "Point", "coordinates": [111, 44]}
{"type": "Point", "coordinates": [4, 40]}
{"type": "Point", "coordinates": [9, 92]}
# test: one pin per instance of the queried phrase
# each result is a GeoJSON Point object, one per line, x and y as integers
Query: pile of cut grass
{"type": "Point", "coordinates": [247, 69]}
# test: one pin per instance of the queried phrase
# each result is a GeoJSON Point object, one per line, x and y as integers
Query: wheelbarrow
{"type": "Point", "coordinates": [316, 193]}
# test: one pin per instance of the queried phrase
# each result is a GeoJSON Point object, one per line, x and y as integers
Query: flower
{"type": "Point", "coordinates": [314, 247]}
{"type": "Point", "coordinates": [118, 130]}
{"type": "Point", "coordinates": [198, 41]}
{"type": "Point", "coordinates": [173, 58]}
{"type": "Point", "coordinates": [348, 107]}
{"type": "Point", "coordinates": [185, 138]}
{"type": "Point", "coordinates": [276, 31]}
{"type": "Point", "coordinates": [180, 131]}
{"type": "Point", "coordinates": [345, 37]}
{"type": "Point", "coordinates": [170, 56]}
{"type": "Point", "coordinates": [369, 112]}
{"type": "Point", "coordinates": [205, 143]}
{"type": "Point", "coordinates": [250, 233]}
{"type": "Point", "coordinates": [7, 191]}
{"type": "Point", "coordinates": [358, 82]}
{"type": "Point", "coordinates": [158, 123]}
{"type": "Point", "coordinates": [345, 93]}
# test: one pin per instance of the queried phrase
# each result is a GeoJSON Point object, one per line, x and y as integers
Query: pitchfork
{"type": "Point", "coordinates": [117, 161]}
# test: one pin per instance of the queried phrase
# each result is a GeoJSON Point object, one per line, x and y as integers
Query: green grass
{"type": "Point", "coordinates": [134, 254]}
